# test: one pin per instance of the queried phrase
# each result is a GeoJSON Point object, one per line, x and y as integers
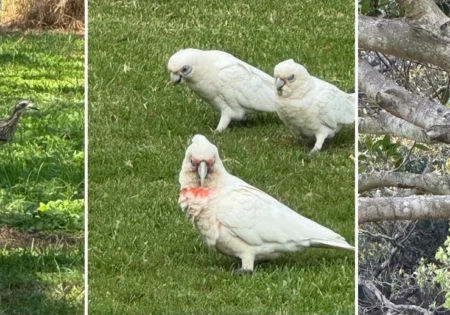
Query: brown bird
{"type": "Point", "coordinates": [8, 126]}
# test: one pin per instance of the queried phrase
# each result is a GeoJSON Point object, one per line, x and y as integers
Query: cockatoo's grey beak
{"type": "Point", "coordinates": [175, 77]}
{"type": "Point", "coordinates": [280, 84]}
{"type": "Point", "coordinates": [202, 171]}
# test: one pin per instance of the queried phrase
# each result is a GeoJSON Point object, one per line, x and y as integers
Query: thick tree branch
{"type": "Point", "coordinates": [405, 39]}
{"type": "Point", "coordinates": [439, 133]}
{"type": "Point", "coordinates": [386, 304]}
{"type": "Point", "coordinates": [398, 101]}
{"type": "Point", "coordinates": [431, 183]}
{"type": "Point", "coordinates": [385, 123]}
{"type": "Point", "coordinates": [410, 208]}
{"type": "Point", "coordinates": [424, 12]}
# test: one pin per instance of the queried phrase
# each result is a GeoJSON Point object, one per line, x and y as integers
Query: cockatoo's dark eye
{"type": "Point", "coordinates": [291, 79]}
{"type": "Point", "coordinates": [213, 162]}
{"type": "Point", "coordinates": [192, 163]}
{"type": "Point", "coordinates": [186, 70]}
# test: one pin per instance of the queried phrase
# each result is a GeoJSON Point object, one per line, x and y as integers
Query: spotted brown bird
{"type": "Point", "coordinates": [8, 126]}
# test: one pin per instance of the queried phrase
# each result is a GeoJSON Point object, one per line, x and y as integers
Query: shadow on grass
{"type": "Point", "coordinates": [40, 280]}
{"type": "Point", "coordinates": [257, 119]}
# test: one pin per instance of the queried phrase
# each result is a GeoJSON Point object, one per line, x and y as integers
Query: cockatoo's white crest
{"type": "Point", "coordinates": [240, 220]}
{"type": "Point", "coordinates": [201, 163]}
{"type": "Point", "coordinates": [288, 76]}
{"type": "Point", "coordinates": [183, 65]}
{"type": "Point", "coordinates": [225, 82]}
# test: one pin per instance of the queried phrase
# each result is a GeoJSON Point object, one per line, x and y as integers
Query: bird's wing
{"type": "Point", "coordinates": [257, 218]}
{"type": "Point", "coordinates": [335, 106]}
{"type": "Point", "coordinates": [243, 85]}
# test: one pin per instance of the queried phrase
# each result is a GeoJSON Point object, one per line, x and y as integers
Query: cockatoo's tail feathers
{"type": "Point", "coordinates": [332, 243]}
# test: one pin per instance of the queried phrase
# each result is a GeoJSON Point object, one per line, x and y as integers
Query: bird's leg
{"type": "Point", "coordinates": [320, 138]}
{"type": "Point", "coordinates": [223, 123]}
{"type": "Point", "coordinates": [247, 265]}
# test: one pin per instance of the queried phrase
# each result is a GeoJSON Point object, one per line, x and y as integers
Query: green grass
{"type": "Point", "coordinates": [42, 174]}
{"type": "Point", "coordinates": [144, 256]}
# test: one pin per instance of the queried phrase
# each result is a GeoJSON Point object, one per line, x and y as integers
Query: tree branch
{"type": "Point", "coordinates": [410, 208]}
{"type": "Point", "coordinates": [386, 123]}
{"type": "Point", "coordinates": [432, 183]}
{"type": "Point", "coordinates": [388, 304]}
{"type": "Point", "coordinates": [405, 39]}
{"type": "Point", "coordinates": [440, 133]}
{"type": "Point", "coordinates": [424, 12]}
{"type": "Point", "coordinates": [399, 102]}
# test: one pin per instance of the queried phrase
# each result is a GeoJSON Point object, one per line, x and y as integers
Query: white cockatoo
{"type": "Point", "coordinates": [238, 219]}
{"type": "Point", "coordinates": [225, 82]}
{"type": "Point", "coordinates": [310, 107]}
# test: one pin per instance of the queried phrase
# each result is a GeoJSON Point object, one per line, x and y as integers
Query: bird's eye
{"type": "Point", "coordinates": [213, 162]}
{"type": "Point", "coordinates": [291, 79]}
{"type": "Point", "coordinates": [186, 70]}
{"type": "Point", "coordinates": [192, 163]}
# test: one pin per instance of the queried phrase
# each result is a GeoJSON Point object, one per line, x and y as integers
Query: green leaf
{"type": "Point", "coordinates": [421, 147]}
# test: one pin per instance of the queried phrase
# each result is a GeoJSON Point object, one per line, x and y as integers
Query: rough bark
{"type": "Point", "coordinates": [431, 183]}
{"type": "Point", "coordinates": [385, 123]}
{"type": "Point", "coordinates": [410, 208]}
{"type": "Point", "coordinates": [398, 101]}
{"type": "Point", "coordinates": [386, 304]}
{"type": "Point", "coordinates": [425, 12]}
{"type": "Point", "coordinates": [439, 133]}
{"type": "Point", "coordinates": [424, 35]}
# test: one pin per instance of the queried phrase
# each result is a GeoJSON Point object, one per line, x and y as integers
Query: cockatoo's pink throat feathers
{"type": "Point", "coordinates": [196, 192]}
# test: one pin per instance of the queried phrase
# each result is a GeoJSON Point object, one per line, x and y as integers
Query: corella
{"type": "Point", "coordinates": [238, 219]}
{"type": "Point", "coordinates": [310, 107]}
{"type": "Point", "coordinates": [225, 82]}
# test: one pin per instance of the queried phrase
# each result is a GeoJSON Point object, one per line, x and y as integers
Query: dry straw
{"type": "Point", "coordinates": [60, 14]}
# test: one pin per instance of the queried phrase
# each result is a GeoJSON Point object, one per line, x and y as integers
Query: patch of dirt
{"type": "Point", "coordinates": [12, 238]}
{"type": "Point", "coordinates": [8, 29]}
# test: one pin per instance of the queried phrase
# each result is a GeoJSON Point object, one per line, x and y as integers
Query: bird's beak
{"type": "Point", "coordinates": [280, 84]}
{"type": "Point", "coordinates": [175, 77]}
{"type": "Point", "coordinates": [202, 171]}
{"type": "Point", "coordinates": [32, 106]}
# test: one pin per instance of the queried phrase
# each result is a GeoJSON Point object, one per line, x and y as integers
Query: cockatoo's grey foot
{"type": "Point", "coordinates": [223, 123]}
{"type": "Point", "coordinates": [242, 272]}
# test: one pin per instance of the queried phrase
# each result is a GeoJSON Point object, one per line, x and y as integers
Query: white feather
{"type": "Point", "coordinates": [240, 220]}
{"type": "Point", "coordinates": [225, 82]}
{"type": "Point", "coordinates": [310, 107]}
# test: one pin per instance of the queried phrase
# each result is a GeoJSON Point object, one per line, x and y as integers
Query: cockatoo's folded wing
{"type": "Point", "coordinates": [257, 218]}
{"type": "Point", "coordinates": [335, 107]}
{"type": "Point", "coordinates": [244, 85]}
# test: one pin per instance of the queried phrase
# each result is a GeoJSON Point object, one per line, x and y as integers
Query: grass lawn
{"type": "Point", "coordinates": [144, 256]}
{"type": "Point", "coordinates": [42, 175]}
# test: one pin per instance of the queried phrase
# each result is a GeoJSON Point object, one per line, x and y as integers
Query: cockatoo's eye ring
{"type": "Point", "coordinates": [291, 79]}
{"type": "Point", "coordinates": [186, 70]}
